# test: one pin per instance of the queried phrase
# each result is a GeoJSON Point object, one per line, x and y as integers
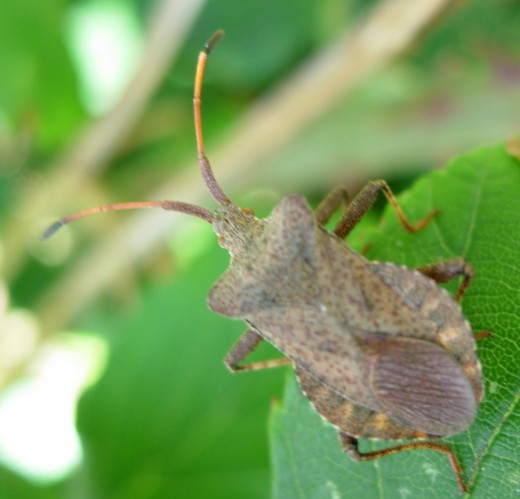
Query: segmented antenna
{"type": "Point", "coordinates": [189, 209]}
{"type": "Point", "coordinates": [205, 167]}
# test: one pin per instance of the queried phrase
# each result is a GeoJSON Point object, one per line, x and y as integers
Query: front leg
{"type": "Point", "coordinates": [331, 204]}
{"type": "Point", "coordinates": [365, 199]}
{"type": "Point", "coordinates": [245, 345]}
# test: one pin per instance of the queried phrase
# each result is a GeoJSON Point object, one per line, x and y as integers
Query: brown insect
{"type": "Point", "coordinates": [380, 350]}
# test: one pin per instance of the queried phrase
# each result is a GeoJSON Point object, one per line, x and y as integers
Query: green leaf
{"type": "Point", "coordinates": [14, 486]}
{"type": "Point", "coordinates": [38, 85]}
{"type": "Point", "coordinates": [478, 195]}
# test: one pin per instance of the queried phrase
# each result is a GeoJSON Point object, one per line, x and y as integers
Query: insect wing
{"type": "Point", "coordinates": [420, 384]}
{"type": "Point", "coordinates": [317, 343]}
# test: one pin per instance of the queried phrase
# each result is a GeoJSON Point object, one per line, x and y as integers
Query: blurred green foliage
{"type": "Point", "coordinates": [39, 82]}
{"type": "Point", "coordinates": [166, 419]}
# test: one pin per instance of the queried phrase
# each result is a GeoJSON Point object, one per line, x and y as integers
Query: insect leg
{"type": "Point", "coordinates": [449, 269]}
{"type": "Point", "coordinates": [245, 345]}
{"type": "Point", "coordinates": [330, 204]}
{"type": "Point", "coordinates": [350, 446]}
{"type": "Point", "coordinates": [364, 200]}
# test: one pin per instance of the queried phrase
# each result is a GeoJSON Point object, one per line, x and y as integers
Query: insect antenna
{"type": "Point", "coordinates": [205, 167]}
{"type": "Point", "coordinates": [189, 209]}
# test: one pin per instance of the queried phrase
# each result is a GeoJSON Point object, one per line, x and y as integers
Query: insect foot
{"type": "Point", "coordinates": [380, 350]}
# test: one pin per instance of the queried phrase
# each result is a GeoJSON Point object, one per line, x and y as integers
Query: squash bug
{"type": "Point", "coordinates": [380, 350]}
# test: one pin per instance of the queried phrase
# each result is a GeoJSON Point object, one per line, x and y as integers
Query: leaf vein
{"type": "Point", "coordinates": [492, 438]}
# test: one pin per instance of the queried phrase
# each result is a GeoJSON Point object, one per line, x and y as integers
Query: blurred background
{"type": "Point", "coordinates": [111, 375]}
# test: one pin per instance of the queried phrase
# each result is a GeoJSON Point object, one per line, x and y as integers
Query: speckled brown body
{"type": "Point", "coordinates": [380, 350]}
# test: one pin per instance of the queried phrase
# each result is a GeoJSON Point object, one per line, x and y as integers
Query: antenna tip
{"type": "Point", "coordinates": [210, 44]}
{"type": "Point", "coordinates": [49, 231]}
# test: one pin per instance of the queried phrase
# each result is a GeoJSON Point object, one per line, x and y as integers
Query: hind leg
{"type": "Point", "coordinates": [351, 447]}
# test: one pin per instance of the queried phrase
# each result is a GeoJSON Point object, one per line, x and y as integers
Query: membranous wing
{"type": "Point", "coordinates": [420, 384]}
